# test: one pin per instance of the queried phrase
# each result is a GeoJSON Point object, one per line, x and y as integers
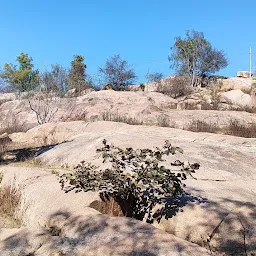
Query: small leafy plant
{"type": "Point", "coordinates": [135, 179]}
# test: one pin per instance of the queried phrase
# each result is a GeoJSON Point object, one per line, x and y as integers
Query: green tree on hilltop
{"type": "Point", "coordinates": [118, 73]}
{"type": "Point", "coordinates": [23, 78]}
{"type": "Point", "coordinates": [195, 57]}
{"type": "Point", "coordinates": [77, 75]}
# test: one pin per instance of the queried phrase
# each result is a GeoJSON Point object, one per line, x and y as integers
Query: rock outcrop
{"type": "Point", "coordinates": [57, 223]}
{"type": "Point", "coordinates": [237, 97]}
{"type": "Point", "coordinates": [223, 194]}
{"type": "Point", "coordinates": [220, 198]}
{"type": "Point", "coordinates": [234, 83]}
{"type": "Point", "coordinates": [132, 107]}
{"type": "Point", "coordinates": [253, 95]}
{"type": "Point", "coordinates": [244, 74]}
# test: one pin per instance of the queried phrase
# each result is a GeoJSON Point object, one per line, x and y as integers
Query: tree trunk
{"type": "Point", "coordinates": [193, 73]}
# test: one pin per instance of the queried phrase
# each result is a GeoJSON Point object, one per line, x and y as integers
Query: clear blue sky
{"type": "Point", "coordinates": [52, 31]}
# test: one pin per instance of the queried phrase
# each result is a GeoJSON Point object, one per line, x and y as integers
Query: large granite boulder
{"type": "Point", "coordinates": [237, 97]}
{"type": "Point", "coordinates": [234, 83]}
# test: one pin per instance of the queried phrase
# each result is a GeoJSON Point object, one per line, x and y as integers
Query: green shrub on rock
{"type": "Point", "coordinates": [135, 179]}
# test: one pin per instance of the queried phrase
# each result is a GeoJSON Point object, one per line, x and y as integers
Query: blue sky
{"type": "Point", "coordinates": [52, 31]}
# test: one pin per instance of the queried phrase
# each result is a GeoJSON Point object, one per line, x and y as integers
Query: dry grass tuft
{"type": "Point", "coordinates": [10, 200]}
{"type": "Point", "coordinates": [4, 142]}
{"type": "Point", "coordinates": [245, 108]}
{"type": "Point", "coordinates": [234, 128]}
{"type": "Point", "coordinates": [241, 130]}
{"type": "Point", "coordinates": [202, 126]}
{"type": "Point", "coordinates": [34, 162]}
{"type": "Point", "coordinates": [1, 177]}
{"type": "Point", "coordinates": [115, 117]}
{"type": "Point", "coordinates": [164, 121]}
{"type": "Point", "coordinates": [12, 125]}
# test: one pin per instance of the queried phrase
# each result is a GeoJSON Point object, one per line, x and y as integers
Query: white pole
{"type": "Point", "coordinates": [250, 62]}
{"type": "Point", "coordinates": [147, 81]}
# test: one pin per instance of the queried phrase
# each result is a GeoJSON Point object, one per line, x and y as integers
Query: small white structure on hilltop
{"type": "Point", "coordinates": [243, 74]}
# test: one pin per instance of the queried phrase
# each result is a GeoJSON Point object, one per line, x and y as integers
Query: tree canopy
{"type": "Point", "coordinates": [194, 56]}
{"type": "Point", "coordinates": [23, 78]}
{"type": "Point", "coordinates": [55, 79]}
{"type": "Point", "coordinates": [118, 73]}
{"type": "Point", "coordinates": [77, 75]}
{"type": "Point", "coordinates": [154, 77]}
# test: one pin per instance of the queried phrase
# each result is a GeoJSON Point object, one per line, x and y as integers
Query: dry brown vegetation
{"type": "Point", "coordinates": [4, 142]}
{"type": "Point", "coordinates": [10, 199]}
{"type": "Point", "coordinates": [240, 130]}
{"type": "Point", "coordinates": [234, 128]}
{"type": "Point", "coordinates": [116, 117]}
{"type": "Point", "coordinates": [11, 124]}
{"type": "Point", "coordinates": [108, 116]}
{"type": "Point", "coordinates": [175, 87]}
{"type": "Point", "coordinates": [245, 109]}
{"type": "Point", "coordinates": [163, 120]}
{"type": "Point", "coordinates": [216, 106]}
{"type": "Point", "coordinates": [202, 126]}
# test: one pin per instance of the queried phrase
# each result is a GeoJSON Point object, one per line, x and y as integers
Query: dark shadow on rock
{"type": "Point", "coordinates": [171, 205]}
{"type": "Point", "coordinates": [94, 235]}
{"type": "Point", "coordinates": [20, 155]}
{"type": "Point", "coordinates": [104, 235]}
{"type": "Point", "coordinates": [233, 229]}
{"type": "Point", "coordinates": [175, 204]}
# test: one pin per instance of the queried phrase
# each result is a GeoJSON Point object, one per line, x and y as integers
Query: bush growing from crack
{"type": "Point", "coordinates": [136, 179]}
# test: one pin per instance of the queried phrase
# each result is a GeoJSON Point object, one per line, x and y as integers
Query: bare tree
{"type": "Point", "coordinates": [45, 105]}
{"type": "Point", "coordinates": [118, 73]}
{"type": "Point", "coordinates": [55, 79]}
{"type": "Point", "coordinates": [92, 82]}
{"type": "Point", "coordinates": [154, 77]}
